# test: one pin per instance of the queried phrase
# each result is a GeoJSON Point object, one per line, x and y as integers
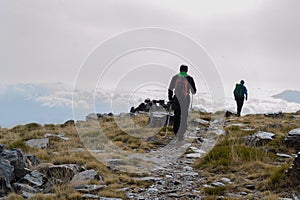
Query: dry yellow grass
{"type": "Point", "coordinates": [260, 167]}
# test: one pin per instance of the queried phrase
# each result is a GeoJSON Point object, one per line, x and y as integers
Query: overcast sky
{"type": "Point", "coordinates": [47, 41]}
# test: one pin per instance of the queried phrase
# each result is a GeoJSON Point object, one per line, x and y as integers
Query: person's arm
{"type": "Point", "coordinates": [246, 93]}
{"type": "Point", "coordinates": [192, 85]}
{"type": "Point", "coordinates": [171, 88]}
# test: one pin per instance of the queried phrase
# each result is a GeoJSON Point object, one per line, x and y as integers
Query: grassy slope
{"type": "Point", "coordinates": [229, 158]}
{"type": "Point", "coordinates": [258, 166]}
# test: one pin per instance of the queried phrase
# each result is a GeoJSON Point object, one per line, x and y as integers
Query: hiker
{"type": "Point", "coordinates": [182, 84]}
{"type": "Point", "coordinates": [240, 93]}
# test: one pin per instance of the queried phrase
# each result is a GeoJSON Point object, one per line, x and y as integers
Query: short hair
{"type": "Point", "coordinates": [242, 82]}
{"type": "Point", "coordinates": [183, 68]}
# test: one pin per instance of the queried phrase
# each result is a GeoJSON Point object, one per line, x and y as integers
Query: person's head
{"type": "Point", "coordinates": [183, 68]}
{"type": "Point", "coordinates": [242, 82]}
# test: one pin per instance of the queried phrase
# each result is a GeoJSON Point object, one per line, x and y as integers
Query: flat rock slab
{"type": "Point", "coordinates": [202, 121]}
{"type": "Point", "coordinates": [38, 143]}
{"type": "Point", "coordinates": [35, 178]}
{"type": "Point", "coordinates": [264, 135]}
{"type": "Point", "coordinates": [84, 176]}
{"type": "Point", "coordinates": [60, 136]}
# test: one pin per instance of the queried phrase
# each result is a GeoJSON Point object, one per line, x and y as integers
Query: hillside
{"type": "Point", "coordinates": [237, 167]}
{"type": "Point", "coordinates": [289, 95]}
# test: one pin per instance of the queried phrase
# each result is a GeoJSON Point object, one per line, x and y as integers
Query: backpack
{"type": "Point", "coordinates": [181, 86]}
{"type": "Point", "coordinates": [238, 91]}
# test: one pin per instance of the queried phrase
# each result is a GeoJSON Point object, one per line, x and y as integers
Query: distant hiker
{"type": "Point", "coordinates": [240, 93]}
{"type": "Point", "coordinates": [182, 84]}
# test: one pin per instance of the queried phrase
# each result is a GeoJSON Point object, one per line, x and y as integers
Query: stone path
{"type": "Point", "coordinates": [176, 178]}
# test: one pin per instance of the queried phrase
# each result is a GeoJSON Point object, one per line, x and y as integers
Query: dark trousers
{"type": "Point", "coordinates": [239, 104]}
{"type": "Point", "coordinates": [181, 109]}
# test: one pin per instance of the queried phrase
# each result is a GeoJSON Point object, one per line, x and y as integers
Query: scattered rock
{"type": "Point", "coordinates": [229, 113]}
{"type": "Point", "coordinates": [17, 160]}
{"type": "Point", "coordinates": [259, 139]}
{"type": "Point", "coordinates": [25, 190]}
{"type": "Point", "coordinates": [296, 196]}
{"type": "Point", "coordinates": [7, 170]}
{"type": "Point", "coordinates": [5, 186]}
{"type": "Point", "coordinates": [193, 155]}
{"type": "Point", "coordinates": [237, 125]}
{"type": "Point", "coordinates": [225, 180]}
{"type": "Point", "coordinates": [35, 178]}
{"type": "Point", "coordinates": [31, 160]}
{"type": "Point", "coordinates": [85, 176]}
{"type": "Point", "coordinates": [90, 196]}
{"type": "Point", "coordinates": [282, 155]}
{"type": "Point", "coordinates": [196, 150]}
{"type": "Point", "coordinates": [275, 115]}
{"type": "Point", "coordinates": [294, 170]}
{"type": "Point", "coordinates": [293, 139]}
{"type": "Point", "coordinates": [60, 136]}
{"type": "Point", "coordinates": [64, 172]}
{"type": "Point", "coordinates": [249, 187]}
{"type": "Point", "coordinates": [149, 178]}
{"type": "Point", "coordinates": [202, 121]}
{"type": "Point", "coordinates": [38, 143]}
{"type": "Point", "coordinates": [43, 167]}
{"type": "Point", "coordinates": [244, 193]}
{"type": "Point", "coordinates": [89, 188]}
{"type": "Point", "coordinates": [217, 184]}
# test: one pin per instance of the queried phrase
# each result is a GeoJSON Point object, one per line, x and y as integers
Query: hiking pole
{"type": "Point", "coordinates": [168, 119]}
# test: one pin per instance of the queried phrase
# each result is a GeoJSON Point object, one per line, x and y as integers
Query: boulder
{"type": "Point", "coordinates": [63, 172]}
{"type": "Point", "coordinates": [35, 178]}
{"type": "Point", "coordinates": [259, 138]}
{"type": "Point", "coordinates": [38, 143]}
{"type": "Point", "coordinates": [294, 170]}
{"type": "Point", "coordinates": [229, 113]}
{"type": "Point", "coordinates": [17, 160]}
{"type": "Point", "coordinates": [292, 140]}
{"type": "Point", "coordinates": [85, 176]}
{"type": "Point", "coordinates": [5, 186]}
{"type": "Point", "coordinates": [7, 170]}
{"type": "Point", "coordinates": [25, 190]}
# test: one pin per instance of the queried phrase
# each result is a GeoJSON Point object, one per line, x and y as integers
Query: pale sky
{"type": "Point", "coordinates": [47, 41]}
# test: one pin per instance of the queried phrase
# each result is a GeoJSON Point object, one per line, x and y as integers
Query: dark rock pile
{"type": "Point", "coordinates": [25, 175]}
{"type": "Point", "coordinates": [294, 170]}
{"type": "Point", "coordinates": [293, 139]}
{"type": "Point", "coordinates": [147, 105]}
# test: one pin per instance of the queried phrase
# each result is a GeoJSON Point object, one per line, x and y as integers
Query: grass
{"type": "Point", "coordinates": [251, 165]}
{"type": "Point", "coordinates": [62, 152]}
{"type": "Point", "coordinates": [229, 158]}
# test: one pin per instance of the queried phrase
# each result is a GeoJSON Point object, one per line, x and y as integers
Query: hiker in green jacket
{"type": "Point", "coordinates": [182, 84]}
{"type": "Point", "coordinates": [240, 93]}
